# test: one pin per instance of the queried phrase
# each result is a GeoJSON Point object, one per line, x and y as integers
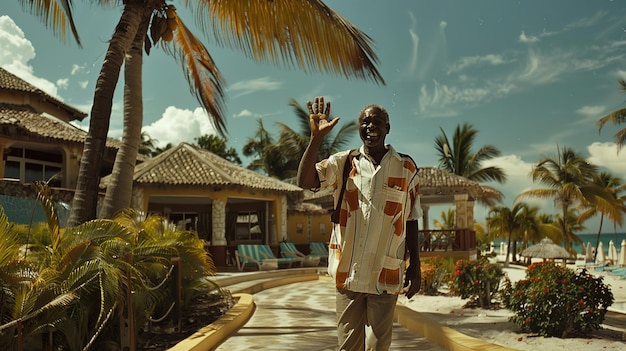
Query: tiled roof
{"type": "Point", "coordinates": [186, 164]}
{"type": "Point", "coordinates": [11, 82]}
{"type": "Point", "coordinates": [27, 121]}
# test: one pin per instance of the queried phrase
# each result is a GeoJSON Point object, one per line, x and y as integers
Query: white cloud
{"type": "Point", "coordinates": [63, 83]}
{"type": "Point", "coordinates": [523, 38]}
{"type": "Point", "coordinates": [591, 111]}
{"type": "Point", "coordinates": [244, 113]}
{"type": "Point", "coordinates": [179, 125]}
{"type": "Point", "coordinates": [466, 62]}
{"type": "Point", "coordinates": [83, 84]}
{"type": "Point", "coordinates": [246, 87]}
{"type": "Point", "coordinates": [15, 53]}
{"type": "Point", "coordinates": [605, 155]}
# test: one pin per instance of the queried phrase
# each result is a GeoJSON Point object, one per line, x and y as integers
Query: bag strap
{"type": "Point", "coordinates": [334, 216]}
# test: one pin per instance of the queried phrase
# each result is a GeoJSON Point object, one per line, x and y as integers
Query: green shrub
{"type": "Point", "coordinates": [556, 301]}
{"type": "Point", "coordinates": [477, 280]}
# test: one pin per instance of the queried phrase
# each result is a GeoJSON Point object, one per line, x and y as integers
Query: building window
{"type": "Point", "coordinates": [248, 227]}
{"type": "Point", "coordinates": [184, 220]}
{"type": "Point", "coordinates": [29, 166]}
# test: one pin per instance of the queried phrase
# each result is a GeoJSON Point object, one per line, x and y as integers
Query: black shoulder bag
{"type": "Point", "coordinates": [334, 216]}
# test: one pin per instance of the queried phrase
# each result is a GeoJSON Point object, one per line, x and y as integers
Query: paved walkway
{"type": "Point", "coordinates": [301, 317]}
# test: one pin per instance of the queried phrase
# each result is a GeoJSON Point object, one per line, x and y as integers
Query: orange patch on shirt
{"type": "Point", "coordinates": [410, 166]}
{"type": "Point", "coordinates": [392, 208]}
{"type": "Point", "coordinates": [397, 183]}
{"type": "Point", "coordinates": [352, 198]}
{"type": "Point", "coordinates": [389, 276]}
{"type": "Point", "coordinates": [340, 279]}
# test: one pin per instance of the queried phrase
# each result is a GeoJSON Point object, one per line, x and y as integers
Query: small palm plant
{"type": "Point", "coordinates": [70, 283]}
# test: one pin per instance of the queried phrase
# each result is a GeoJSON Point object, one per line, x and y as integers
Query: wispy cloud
{"type": "Point", "coordinates": [523, 38]}
{"type": "Point", "coordinates": [246, 87]}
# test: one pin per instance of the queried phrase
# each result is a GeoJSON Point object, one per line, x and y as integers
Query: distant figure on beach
{"type": "Point", "coordinates": [377, 196]}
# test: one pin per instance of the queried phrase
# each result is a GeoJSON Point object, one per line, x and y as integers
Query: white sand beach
{"type": "Point", "coordinates": [493, 325]}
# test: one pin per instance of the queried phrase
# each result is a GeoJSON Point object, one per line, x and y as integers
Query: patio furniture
{"type": "Point", "coordinates": [288, 249]}
{"type": "Point", "coordinates": [321, 250]}
{"type": "Point", "coordinates": [261, 257]}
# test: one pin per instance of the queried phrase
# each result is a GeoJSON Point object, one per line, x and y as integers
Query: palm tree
{"type": "Point", "coordinates": [458, 158]}
{"type": "Point", "coordinates": [56, 15]}
{"type": "Point", "coordinates": [505, 222]}
{"type": "Point", "coordinates": [307, 34]}
{"type": "Point", "coordinates": [616, 117]}
{"type": "Point", "coordinates": [217, 145]}
{"type": "Point", "coordinates": [568, 180]}
{"type": "Point", "coordinates": [614, 210]}
{"type": "Point", "coordinates": [280, 159]}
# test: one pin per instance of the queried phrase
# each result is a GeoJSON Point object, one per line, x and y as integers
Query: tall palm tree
{"type": "Point", "coordinates": [255, 147]}
{"type": "Point", "coordinates": [305, 33]}
{"type": "Point", "coordinates": [568, 180]}
{"type": "Point", "coordinates": [616, 117]}
{"type": "Point", "coordinates": [613, 210]}
{"type": "Point", "coordinates": [506, 222]}
{"type": "Point", "coordinates": [458, 158]}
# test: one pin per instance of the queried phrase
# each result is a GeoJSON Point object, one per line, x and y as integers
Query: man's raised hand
{"type": "Point", "coordinates": [319, 114]}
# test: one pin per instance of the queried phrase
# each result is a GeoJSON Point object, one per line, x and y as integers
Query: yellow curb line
{"type": "Point", "coordinates": [443, 336]}
{"type": "Point", "coordinates": [211, 336]}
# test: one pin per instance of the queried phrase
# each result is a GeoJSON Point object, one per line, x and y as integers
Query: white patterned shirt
{"type": "Point", "coordinates": [367, 246]}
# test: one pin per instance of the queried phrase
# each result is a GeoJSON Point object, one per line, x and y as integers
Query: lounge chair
{"type": "Point", "coordinates": [261, 257]}
{"type": "Point", "coordinates": [289, 250]}
{"type": "Point", "coordinates": [321, 250]}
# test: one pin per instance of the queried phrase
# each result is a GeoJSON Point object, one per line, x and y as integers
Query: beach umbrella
{"type": "Point", "coordinates": [589, 253]}
{"type": "Point", "coordinates": [600, 255]}
{"type": "Point", "coordinates": [546, 249]}
{"type": "Point", "coordinates": [622, 255]}
{"type": "Point", "coordinates": [612, 256]}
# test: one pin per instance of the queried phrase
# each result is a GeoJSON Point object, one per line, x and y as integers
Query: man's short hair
{"type": "Point", "coordinates": [381, 109]}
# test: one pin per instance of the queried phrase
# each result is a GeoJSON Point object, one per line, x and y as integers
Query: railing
{"type": "Point", "coordinates": [447, 240]}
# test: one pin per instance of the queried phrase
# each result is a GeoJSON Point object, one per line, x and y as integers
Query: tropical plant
{"type": "Point", "coordinates": [55, 14]}
{"type": "Point", "coordinates": [556, 301]}
{"type": "Point", "coordinates": [616, 117]}
{"type": "Point", "coordinates": [477, 280]}
{"type": "Point", "coordinates": [287, 31]}
{"type": "Point", "coordinates": [70, 283]}
{"type": "Point", "coordinates": [458, 158]}
{"type": "Point", "coordinates": [614, 211]}
{"type": "Point", "coordinates": [217, 145]}
{"type": "Point", "coordinates": [280, 159]}
{"type": "Point", "coordinates": [505, 222]}
{"type": "Point", "coordinates": [568, 178]}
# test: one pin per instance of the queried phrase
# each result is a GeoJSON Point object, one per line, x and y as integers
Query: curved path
{"type": "Point", "coordinates": [302, 317]}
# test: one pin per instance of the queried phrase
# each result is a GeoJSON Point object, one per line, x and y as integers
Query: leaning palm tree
{"type": "Point", "coordinates": [306, 33]}
{"type": "Point", "coordinates": [616, 117]}
{"type": "Point", "coordinates": [458, 158]}
{"type": "Point", "coordinates": [613, 210]}
{"type": "Point", "coordinates": [568, 180]}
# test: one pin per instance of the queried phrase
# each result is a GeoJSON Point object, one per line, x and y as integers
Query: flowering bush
{"type": "Point", "coordinates": [556, 301]}
{"type": "Point", "coordinates": [477, 280]}
{"type": "Point", "coordinates": [435, 270]}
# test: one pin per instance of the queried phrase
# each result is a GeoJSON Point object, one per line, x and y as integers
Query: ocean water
{"type": "Point", "coordinates": [605, 238]}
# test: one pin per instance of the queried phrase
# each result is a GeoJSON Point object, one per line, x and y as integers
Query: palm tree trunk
{"type": "Point", "coordinates": [119, 191]}
{"type": "Point", "coordinates": [86, 197]}
{"type": "Point", "coordinates": [598, 237]}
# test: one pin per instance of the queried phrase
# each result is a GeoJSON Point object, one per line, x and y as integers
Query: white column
{"type": "Point", "coordinates": [218, 210]}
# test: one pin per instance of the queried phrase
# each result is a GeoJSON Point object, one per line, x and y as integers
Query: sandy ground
{"type": "Point", "coordinates": [493, 325]}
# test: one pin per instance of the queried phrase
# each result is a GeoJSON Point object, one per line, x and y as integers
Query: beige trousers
{"type": "Point", "coordinates": [364, 321]}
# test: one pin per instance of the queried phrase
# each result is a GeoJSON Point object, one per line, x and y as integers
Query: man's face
{"type": "Point", "coordinates": [373, 128]}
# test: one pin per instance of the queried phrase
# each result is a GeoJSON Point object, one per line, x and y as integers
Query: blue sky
{"type": "Point", "coordinates": [531, 76]}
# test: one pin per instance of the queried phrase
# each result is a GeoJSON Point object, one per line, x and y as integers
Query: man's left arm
{"type": "Point", "coordinates": [413, 279]}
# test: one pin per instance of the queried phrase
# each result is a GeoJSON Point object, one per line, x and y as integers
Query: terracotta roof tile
{"type": "Point", "coordinates": [186, 164]}
{"type": "Point", "coordinates": [26, 120]}
{"type": "Point", "coordinates": [11, 82]}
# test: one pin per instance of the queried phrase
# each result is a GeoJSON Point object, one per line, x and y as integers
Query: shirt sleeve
{"type": "Point", "coordinates": [327, 171]}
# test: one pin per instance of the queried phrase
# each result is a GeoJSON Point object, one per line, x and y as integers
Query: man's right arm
{"type": "Point", "coordinates": [307, 174]}
{"type": "Point", "coordinates": [320, 127]}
